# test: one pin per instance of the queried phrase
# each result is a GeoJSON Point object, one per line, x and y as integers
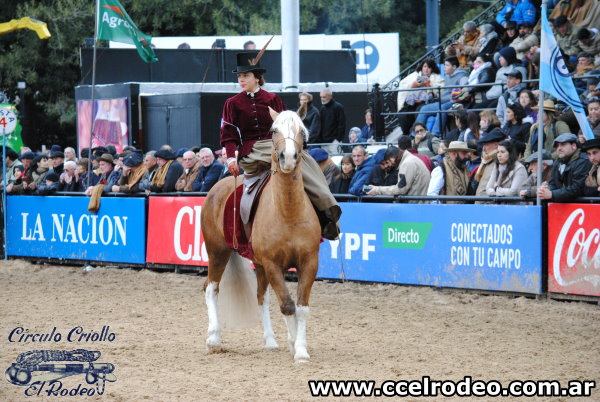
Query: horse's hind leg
{"type": "Point", "coordinates": [216, 267]}
{"type": "Point", "coordinates": [263, 301]}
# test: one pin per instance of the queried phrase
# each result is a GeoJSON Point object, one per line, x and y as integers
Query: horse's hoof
{"type": "Point", "coordinates": [301, 357]}
{"type": "Point", "coordinates": [213, 344]}
{"type": "Point", "coordinates": [211, 349]}
{"type": "Point", "coordinates": [271, 344]}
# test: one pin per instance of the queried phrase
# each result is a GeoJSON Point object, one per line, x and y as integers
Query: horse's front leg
{"type": "Point", "coordinates": [264, 298]}
{"type": "Point", "coordinates": [306, 277]}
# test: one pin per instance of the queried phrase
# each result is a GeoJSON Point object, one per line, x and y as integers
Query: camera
{"type": "Point", "coordinates": [367, 188]}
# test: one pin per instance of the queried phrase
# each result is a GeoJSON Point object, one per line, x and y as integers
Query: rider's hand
{"type": "Point", "coordinates": [233, 167]}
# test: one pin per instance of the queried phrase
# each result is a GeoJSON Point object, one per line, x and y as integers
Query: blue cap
{"type": "Point", "coordinates": [319, 154]}
{"type": "Point", "coordinates": [28, 155]}
{"type": "Point", "coordinates": [180, 152]}
{"type": "Point", "coordinates": [566, 137]}
{"type": "Point", "coordinates": [133, 159]}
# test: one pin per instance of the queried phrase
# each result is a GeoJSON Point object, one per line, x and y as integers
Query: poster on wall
{"type": "Point", "coordinates": [111, 123]}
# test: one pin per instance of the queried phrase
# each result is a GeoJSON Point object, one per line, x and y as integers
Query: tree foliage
{"type": "Point", "coordinates": [51, 67]}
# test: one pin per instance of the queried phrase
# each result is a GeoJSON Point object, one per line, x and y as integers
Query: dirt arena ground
{"type": "Point", "coordinates": [374, 332]}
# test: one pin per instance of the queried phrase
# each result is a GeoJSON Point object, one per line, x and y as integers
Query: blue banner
{"type": "Point", "coordinates": [62, 227]}
{"type": "Point", "coordinates": [492, 247]}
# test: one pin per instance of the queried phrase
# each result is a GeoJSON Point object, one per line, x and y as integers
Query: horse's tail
{"type": "Point", "coordinates": [238, 304]}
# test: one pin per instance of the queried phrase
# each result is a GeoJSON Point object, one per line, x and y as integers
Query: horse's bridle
{"type": "Point", "coordinates": [276, 149]}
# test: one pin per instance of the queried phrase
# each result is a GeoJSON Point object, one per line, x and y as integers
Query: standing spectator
{"type": "Point", "coordinates": [529, 187]}
{"type": "Point", "coordinates": [249, 45]}
{"type": "Point", "coordinates": [310, 117]}
{"type": "Point", "coordinates": [568, 173]}
{"type": "Point", "coordinates": [413, 176]}
{"type": "Point", "coordinates": [359, 155]}
{"type": "Point", "coordinates": [50, 184]}
{"type": "Point", "coordinates": [12, 161]}
{"type": "Point", "coordinates": [426, 76]}
{"type": "Point", "coordinates": [191, 168]}
{"type": "Point", "coordinates": [341, 183]}
{"type": "Point", "coordinates": [511, 95]}
{"type": "Point", "coordinates": [527, 100]}
{"type": "Point", "coordinates": [384, 172]}
{"type": "Point", "coordinates": [57, 158]}
{"type": "Point", "coordinates": [364, 166]}
{"type": "Point", "coordinates": [405, 143]}
{"type": "Point", "coordinates": [167, 174]}
{"type": "Point", "coordinates": [592, 181]}
{"type": "Point", "coordinates": [33, 176]}
{"type": "Point", "coordinates": [552, 129]}
{"type": "Point", "coordinates": [108, 176]}
{"type": "Point", "coordinates": [514, 128]}
{"type": "Point", "coordinates": [425, 142]}
{"type": "Point", "coordinates": [451, 177]}
{"type": "Point", "coordinates": [327, 166]}
{"type": "Point", "coordinates": [133, 172]}
{"type": "Point", "coordinates": [81, 172]}
{"type": "Point", "coordinates": [70, 154]}
{"type": "Point", "coordinates": [209, 172]}
{"type": "Point", "coordinates": [507, 58]}
{"type": "Point", "coordinates": [151, 169]}
{"type": "Point", "coordinates": [566, 37]}
{"type": "Point", "coordinates": [490, 141]}
{"type": "Point", "coordinates": [508, 173]}
{"type": "Point", "coordinates": [525, 41]}
{"type": "Point", "coordinates": [367, 134]}
{"type": "Point", "coordinates": [333, 121]}
{"type": "Point", "coordinates": [68, 179]}
{"type": "Point", "coordinates": [589, 40]}
{"type": "Point", "coordinates": [467, 46]}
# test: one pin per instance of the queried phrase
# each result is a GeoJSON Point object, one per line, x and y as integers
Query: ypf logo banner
{"type": "Point", "coordinates": [405, 235]}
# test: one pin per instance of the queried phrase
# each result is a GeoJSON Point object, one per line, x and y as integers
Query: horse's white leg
{"type": "Point", "coordinates": [290, 321]}
{"type": "Point", "coordinates": [213, 341]}
{"type": "Point", "coordinates": [301, 354]}
{"type": "Point", "coordinates": [268, 334]}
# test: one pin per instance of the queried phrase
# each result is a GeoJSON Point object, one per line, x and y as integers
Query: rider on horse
{"type": "Point", "coordinates": [245, 127]}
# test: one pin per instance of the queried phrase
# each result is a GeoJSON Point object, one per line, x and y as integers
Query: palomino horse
{"type": "Point", "coordinates": [286, 233]}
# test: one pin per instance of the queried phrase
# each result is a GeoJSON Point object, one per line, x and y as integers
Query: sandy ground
{"type": "Point", "coordinates": [356, 331]}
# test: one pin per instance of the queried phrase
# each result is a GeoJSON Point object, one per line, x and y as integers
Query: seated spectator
{"type": "Point", "coordinates": [354, 135]}
{"type": "Point", "coordinates": [328, 167]}
{"type": "Point", "coordinates": [33, 176]}
{"type": "Point", "coordinates": [508, 173]}
{"type": "Point", "coordinates": [474, 130]}
{"type": "Point", "coordinates": [593, 108]}
{"type": "Point", "coordinates": [456, 76]}
{"type": "Point", "coordinates": [442, 148]}
{"type": "Point", "coordinates": [592, 181]}
{"type": "Point", "coordinates": [507, 59]}
{"type": "Point", "coordinates": [488, 39]}
{"type": "Point", "coordinates": [529, 187]}
{"type": "Point", "coordinates": [21, 181]}
{"type": "Point", "coordinates": [451, 177]}
{"type": "Point", "coordinates": [133, 172]}
{"type": "Point", "coordinates": [209, 172]}
{"type": "Point", "coordinates": [592, 87]}
{"type": "Point", "coordinates": [19, 174]}
{"type": "Point", "coordinates": [107, 178]}
{"type": "Point", "coordinates": [517, 11]}
{"type": "Point", "coordinates": [310, 117]}
{"type": "Point", "coordinates": [589, 41]}
{"type": "Point", "coordinates": [483, 73]}
{"type": "Point", "coordinates": [341, 183]}
{"type": "Point", "coordinates": [68, 179]}
{"type": "Point", "coordinates": [525, 40]}
{"type": "Point", "coordinates": [425, 143]}
{"type": "Point", "coordinates": [585, 64]}
{"type": "Point", "coordinates": [467, 46]}
{"type": "Point", "coordinates": [383, 173]}
{"type": "Point", "coordinates": [566, 38]}
{"type": "Point", "coordinates": [490, 141]}
{"type": "Point", "coordinates": [461, 131]}
{"type": "Point", "coordinates": [151, 169]}
{"type": "Point", "coordinates": [11, 162]}
{"type": "Point", "coordinates": [552, 129]}
{"type": "Point", "coordinates": [50, 184]}
{"type": "Point", "coordinates": [367, 133]}
{"type": "Point", "coordinates": [179, 153]}
{"type": "Point", "coordinates": [488, 120]}
{"type": "Point", "coordinates": [364, 166]}
{"type": "Point", "coordinates": [57, 158]}
{"type": "Point", "coordinates": [359, 155]}
{"type": "Point", "coordinates": [510, 34]}
{"type": "Point", "coordinates": [568, 173]}
{"type": "Point", "coordinates": [413, 176]}
{"type": "Point", "coordinates": [426, 76]}
{"type": "Point", "coordinates": [514, 128]}
{"type": "Point", "coordinates": [70, 154]}
{"type": "Point", "coordinates": [191, 168]}
{"type": "Point", "coordinates": [528, 101]}
{"type": "Point", "coordinates": [81, 172]}
{"type": "Point", "coordinates": [511, 95]}
{"type": "Point", "coordinates": [168, 172]}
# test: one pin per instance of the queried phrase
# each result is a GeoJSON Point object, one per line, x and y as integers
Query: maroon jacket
{"type": "Point", "coordinates": [246, 119]}
{"type": "Point", "coordinates": [426, 160]}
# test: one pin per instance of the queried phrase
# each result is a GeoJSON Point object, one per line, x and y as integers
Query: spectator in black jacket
{"type": "Point", "coordinates": [167, 174]}
{"type": "Point", "coordinates": [568, 173]}
{"type": "Point", "coordinates": [341, 183]}
{"type": "Point", "coordinates": [333, 121]}
{"type": "Point", "coordinates": [68, 179]}
{"type": "Point", "coordinates": [515, 128]}
{"type": "Point", "coordinates": [310, 116]}
{"type": "Point", "coordinates": [50, 185]}
{"type": "Point", "coordinates": [209, 173]}
{"type": "Point", "coordinates": [108, 176]}
{"type": "Point", "coordinates": [592, 181]}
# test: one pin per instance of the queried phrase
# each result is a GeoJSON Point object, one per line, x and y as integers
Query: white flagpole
{"type": "Point", "coordinates": [540, 118]}
{"type": "Point", "coordinates": [89, 175]}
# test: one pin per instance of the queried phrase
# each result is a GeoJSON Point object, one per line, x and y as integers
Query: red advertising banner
{"type": "Point", "coordinates": [174, 235]}
{"type": "Point", "coordinates": [574, 249]}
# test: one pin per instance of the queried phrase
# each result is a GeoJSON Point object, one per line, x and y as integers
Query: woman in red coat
{"type": "Point", "coordinates": [245, 127]}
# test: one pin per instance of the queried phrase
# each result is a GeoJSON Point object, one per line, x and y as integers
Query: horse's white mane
{"type": "Point", "coordinates": [289, 121]}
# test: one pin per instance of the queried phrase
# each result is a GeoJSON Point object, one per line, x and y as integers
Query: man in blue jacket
{"type": "Point", "coordinates": [518, 11]}
{"type": "Point", "coordinates": [209, 172]}
{"type": "Point", "coordinates": [363, 172]}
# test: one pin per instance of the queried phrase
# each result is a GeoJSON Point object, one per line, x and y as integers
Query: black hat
{"type": "Point", "coordinates": [111, 149]}
{"type": "Point", "coordinates": [516, 74]}
{"type": "Point", "coordinates": [165, 154]}
{"type": "Point", "coordinates": [56, 148]}
{"type": "Point", "coordinates": [52, 176]}
{"type": "Point", "coordinates": [12, 154]}
{"type": "Point", "coordinates": [546, 156]}
{"type": "Point", "coordinates": [496, 135]}
{"type": "Point", "coordinates": [85, 153]}
{"type": "Point", "coordinates": [511, 25]}
{"type": "Point", "coordinates": [589, 144]}
{"type": "Point", "coordinates": [560, 21]}
{"type": "Point", "coordinates": [106, 158]}
{"type": "Point", "coordinates": [526, 24]}
{"type": "Point", "coordinates": [246, 63]}
{"type": "Point", "coordinates": [133, 159]}
{"type": "Point", "coordinates": [56, 154]}
{"type": "Point", "coordinates": [28, 155]}
{"type": "Point", "coordinates": [100, 150]}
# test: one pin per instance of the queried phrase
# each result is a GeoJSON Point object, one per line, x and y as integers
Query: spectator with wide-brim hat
{"type": "Point", "coordinates": [133, 172]}
{"type": "Point", "coordinates": [552, 129]}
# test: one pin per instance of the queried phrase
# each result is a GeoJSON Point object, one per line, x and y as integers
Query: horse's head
{"type": "Point", "coordinates": [289, 135]}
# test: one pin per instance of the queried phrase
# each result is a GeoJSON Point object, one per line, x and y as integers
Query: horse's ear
{"type": "Point", "coordinates": [273, 113]}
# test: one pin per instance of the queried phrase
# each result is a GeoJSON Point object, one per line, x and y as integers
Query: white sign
{"type": "Point", "coordinates": [8, 120]}
{"type": "Point", "coordinates": [377, 55]}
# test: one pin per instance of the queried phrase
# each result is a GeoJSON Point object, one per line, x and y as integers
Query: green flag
{"type": "Point", "coordinates": [114, 24]}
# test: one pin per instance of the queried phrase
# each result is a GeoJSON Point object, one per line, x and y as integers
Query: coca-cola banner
{"type": "Point", "coordinates": [573, 249]}
{"type": "Point", "coordinates": [174, 235]}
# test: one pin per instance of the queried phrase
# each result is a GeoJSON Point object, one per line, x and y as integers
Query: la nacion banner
{"type": "Point", "coordinates": [574, 249]}
{"type": "Point", "coordinates": [491, 247]}
{"type": "Point", "coordinates": [62, 227]}
{"type": "Point", "coordinates": [174, 233]}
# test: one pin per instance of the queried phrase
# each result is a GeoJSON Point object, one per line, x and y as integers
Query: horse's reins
{"type": "Point", "coordinates": [235, 241]}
